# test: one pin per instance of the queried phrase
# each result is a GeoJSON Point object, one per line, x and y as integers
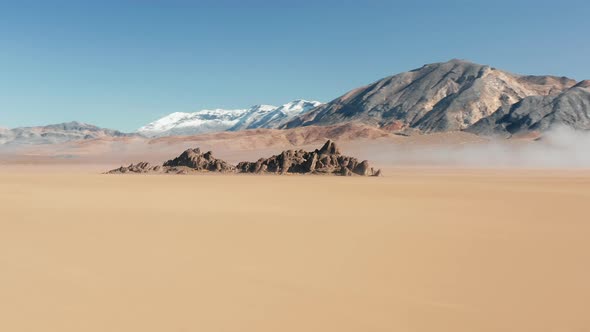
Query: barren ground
{"type": "Point", "coordinates": [420, 249]}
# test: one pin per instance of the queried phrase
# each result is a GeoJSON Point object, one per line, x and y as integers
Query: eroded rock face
{"type": "Point", "coordinates": [191, 160]}
{"type": "Point", "coordinates": [327, 160]}
{"type": "Point", "coordinates": [194, 159]}
{"type": "Point", "coordinates": [141, 167]}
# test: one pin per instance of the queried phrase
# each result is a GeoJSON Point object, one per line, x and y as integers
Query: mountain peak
{"type": "Point", "coordinates": [463, 61]}
{"type": "Point", "coordinates": [263, 107]}
{"type": "Point", "coordinates": [449, 64]}
{"type": "Point", "coordinates": [72, 125]}
{"type": "Point", "coordinates": [583, 84]}
{"type": "Point", "coordinates": [302, 101]}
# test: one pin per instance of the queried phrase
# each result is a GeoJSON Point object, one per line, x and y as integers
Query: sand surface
{"type": "Point", "coordinates": [416, 250]}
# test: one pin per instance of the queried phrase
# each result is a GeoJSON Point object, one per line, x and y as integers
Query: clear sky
{"type": "Point", "coordinates": [121, 64]}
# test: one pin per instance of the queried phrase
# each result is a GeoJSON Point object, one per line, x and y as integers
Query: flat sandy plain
{"type": "Point", "coordinates": [420, 249]}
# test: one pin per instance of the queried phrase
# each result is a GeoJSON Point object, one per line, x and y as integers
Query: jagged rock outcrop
{"type": "Point", "coordinates": [327, 160]}
{"type": "Point", "coordinates": [141, 167]}
{"type": "Point", "coordinates": [145, 167]}
{"type": "Point", "coordinates": [195, 160]}
{"type": "Point", "coordinates": [191, 160]}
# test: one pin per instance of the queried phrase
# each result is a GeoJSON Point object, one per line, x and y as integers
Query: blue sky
{"type": "Point", "coordinates": [121, 64]}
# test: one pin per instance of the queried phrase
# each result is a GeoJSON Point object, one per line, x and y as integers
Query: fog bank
{"type": "Point", "coordinates": [559, 148]}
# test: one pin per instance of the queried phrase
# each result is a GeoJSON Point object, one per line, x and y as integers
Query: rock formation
{"type": "Point", "coordinates": [195, 160]}
{"type": "Point", "coordinates": [191, 160]}
{"type": "Point", "coordinates": [141, 167]}
{"type": "Point", "coordinates": [327, 160]}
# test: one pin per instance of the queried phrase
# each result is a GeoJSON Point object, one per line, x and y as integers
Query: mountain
{"type": "Point", "coordinates": [570, 108]}
{"type": "Point", "coordinates": [206, 121]}
{"type": "Point", "coordinates": [253, 115]}
{"type": "Point", "coordinates": [283, 114]}
{"type": "Point", "coordinates": [56, 133]}
{"type": "Point", "coordinates": [203, 121]}
{"type": "Point", "coordinates": [447, 96]}
{"type": "Point", "coordinates": [456, 95]}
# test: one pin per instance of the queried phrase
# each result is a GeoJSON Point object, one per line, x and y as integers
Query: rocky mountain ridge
{"type": "Point", "coordinates": [56, 133]}
{"type": "Point", "coordinates": [448, 96]}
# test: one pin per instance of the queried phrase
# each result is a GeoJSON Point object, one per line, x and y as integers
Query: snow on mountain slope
{"type": "Point", "coordinates": [202, 121]}
{"type": "Point", "coordinates": [284, 114]}
{"type": "Point", "coordinates": [254, 114]}
{"type": "Point", "coordinates": [206, 121]}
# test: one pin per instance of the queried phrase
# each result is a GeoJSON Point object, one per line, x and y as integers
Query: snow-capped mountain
{"type": "Point", "coordinates": [206, 121]}
{"type": "Point", "coordinates": [284, 114]}
{"type": "Point", "coordinates": [203, 121]}
{"type": "Point", "coordinates": [254, 114]}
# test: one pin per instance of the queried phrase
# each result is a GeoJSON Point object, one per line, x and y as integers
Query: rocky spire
{"type": "Point", "coordinates": [329, 148]}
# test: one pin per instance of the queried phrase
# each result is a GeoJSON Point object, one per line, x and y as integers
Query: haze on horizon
{"type": "Point", "coordinates": [121, 64]}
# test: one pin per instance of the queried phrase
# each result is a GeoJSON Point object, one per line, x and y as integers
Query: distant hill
{"type": "Point", "coordinates": [56, 133]}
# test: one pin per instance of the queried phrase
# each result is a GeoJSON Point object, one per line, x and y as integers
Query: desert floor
{"type": "Point", "coordinates": [416, 250]}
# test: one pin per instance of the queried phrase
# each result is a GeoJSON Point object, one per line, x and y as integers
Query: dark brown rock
{"type": "Point", "coordinates": [327, 160]}
{"type": "Point", "coordinates": [191, 160]}
{"type": "Point", "coordinates": [141, 167]}
{"type": "Point", "coordinates": [194, 159]}
{"type": "Point", "coordinates": [329, 148]}
{"type": "Point", "coordinates": [310, 164]}
{"type": "Point", "coordinates": [345, 172]}
{"type": "Point", "coordinates": [363, 168]}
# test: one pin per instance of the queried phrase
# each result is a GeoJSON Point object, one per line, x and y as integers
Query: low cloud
{"type": "Point", "coordinates": [558, 148]}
